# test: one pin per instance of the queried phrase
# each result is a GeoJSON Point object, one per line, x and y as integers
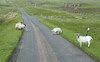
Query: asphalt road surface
{"type": "Point", "coordinates": [40, 45]}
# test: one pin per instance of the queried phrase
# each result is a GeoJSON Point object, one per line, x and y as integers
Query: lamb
{"type": "Point", "coordinates": [83, 39]}
{"type": "Point", "coordinates": [56, 31]}
{"type": "Point", "coordinates": [20, 25]}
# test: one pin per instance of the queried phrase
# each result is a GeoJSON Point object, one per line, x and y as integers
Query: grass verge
{"type": "Point", "coordinates": [8, 35]}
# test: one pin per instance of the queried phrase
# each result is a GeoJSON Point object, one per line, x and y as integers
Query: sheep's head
{"type": "Point", "coordinates": [25, 24]}
{"type": "Point", "coordinates": [77, 34]}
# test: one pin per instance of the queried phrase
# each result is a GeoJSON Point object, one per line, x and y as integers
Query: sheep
{"type": "Point", "coordinates": [20, 25]}
{"type": "Point", "coordinates": [17, 25]}
{"type": "Point", "coordinates": [83, 39]}
{"type": "Point", "coordinates": [56, 31]}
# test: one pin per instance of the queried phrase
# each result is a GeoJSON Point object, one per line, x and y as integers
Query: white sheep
{"type": "Point", "coordinates": [56, 31]}
{"type": "Point", "coordinates": [20, 25]}
{"type": "Point", "coordinates": [17, 25]}
{"type": "Point", "coordinates": [83, 39]}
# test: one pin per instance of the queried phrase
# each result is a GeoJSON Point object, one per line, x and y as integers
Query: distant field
{"type": "Point", "coordinates": [8, 35]}
{"type": "Point", "coordinates": [54, 3]}
{"type": "Point", "coordinates": [71, 23]}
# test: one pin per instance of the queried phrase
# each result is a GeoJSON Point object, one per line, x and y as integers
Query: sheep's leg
{"type": "Point", "coordinates": [57, 32]}
{"type": "Point", "coordinates": [88, 44]}
{"type": "Point", "coordinates": [80, 44]}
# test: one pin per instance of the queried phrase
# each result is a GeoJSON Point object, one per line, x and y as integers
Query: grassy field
{"type": "Point", "coordinates": [54, 3]}
{"type": "Point", "coordinates": [8, 35]}
{"type": "Point", "coordinates": [71, 23]}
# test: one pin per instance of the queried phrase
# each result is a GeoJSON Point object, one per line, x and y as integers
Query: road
{"type": "Point", "coordinates": [40, 45]}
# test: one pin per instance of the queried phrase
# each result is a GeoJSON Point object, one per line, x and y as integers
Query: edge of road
{"type": "Point", "coordinates": [81, 49]}
{"type": "Point", "coordinates": [16, 50]}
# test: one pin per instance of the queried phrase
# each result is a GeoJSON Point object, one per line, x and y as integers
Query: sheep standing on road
{"type": "Point", "coordinates": [56, 31]}
{"type": "Point", "coordinates": [20, 25]}
{"type": "Point", "coordinates": [83, 39]}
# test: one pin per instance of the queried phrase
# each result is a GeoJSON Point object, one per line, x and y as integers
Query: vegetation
{"type": "Point", "coordinates": [53, 13]}
{"type": "Point", "coordinates": [8, 35]}
{"type": "Point", "coordinates": [54, 3]}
